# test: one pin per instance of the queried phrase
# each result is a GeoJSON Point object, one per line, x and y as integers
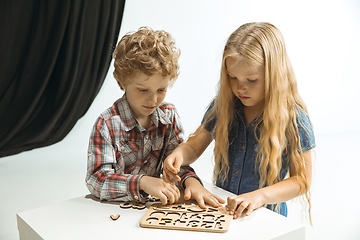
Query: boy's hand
{"type": "Point", "coordinates": [171, 167]}
{"type": "Point", "coordinates": [194, 190]}
{"type": "Point", "coordinates": [166, 192]}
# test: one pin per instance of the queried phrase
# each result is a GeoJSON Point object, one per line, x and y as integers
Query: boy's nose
{"type": "Point", "coordinates": [152, 98]}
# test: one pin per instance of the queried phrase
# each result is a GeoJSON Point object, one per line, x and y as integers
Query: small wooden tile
{"type": "Point", "coordinates": [116, 217]}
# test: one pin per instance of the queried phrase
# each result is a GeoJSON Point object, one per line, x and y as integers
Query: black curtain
{"type": "Point", "coordinates": [54, 56]}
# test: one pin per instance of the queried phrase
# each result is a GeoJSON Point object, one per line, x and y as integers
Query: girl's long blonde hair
{"type": "Point", "coordinates": [277, 128]}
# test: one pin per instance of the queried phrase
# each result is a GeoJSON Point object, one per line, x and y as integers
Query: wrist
{"type": "Point", "coordinates": [191, 181]}
{"type": "Point", "coordinates": [262, 196]}
{"type": "Point", "coordinates": [143, 183]}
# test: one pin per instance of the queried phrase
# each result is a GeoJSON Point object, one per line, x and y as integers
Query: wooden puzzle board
{"type": "Point", "coordinates": [186, 217]}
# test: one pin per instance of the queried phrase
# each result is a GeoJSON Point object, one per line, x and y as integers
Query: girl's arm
{"type": "Point", "coordinates": [185, 154]}
{"type": "Point", "coordinates": [277, 193]}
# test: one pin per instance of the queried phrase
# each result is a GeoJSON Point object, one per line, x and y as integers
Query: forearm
{"type": "Point", "coordinates": [195, 146]}
{"type": "Point", "coordinates": [280, 192]}
{"type": "Point", "coordinates": [188, 152]}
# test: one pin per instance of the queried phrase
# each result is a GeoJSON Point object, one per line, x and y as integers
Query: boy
{"type": "Point", "coordinates": [130, 139]}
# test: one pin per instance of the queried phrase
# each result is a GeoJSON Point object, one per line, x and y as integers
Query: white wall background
{"type": "Point", "coordinates": [322, 39]}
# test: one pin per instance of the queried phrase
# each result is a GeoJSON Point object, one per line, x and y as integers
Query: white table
{"type": "Point", "coordinates": [87, 218]}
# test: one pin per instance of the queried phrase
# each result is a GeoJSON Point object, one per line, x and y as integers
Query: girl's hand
{"type": "Point", "coordinates": [171, 167]}
{"type": "Point", "coordinates": [244, 203]}
{"type": "Point", "coordinates": [194, 190]}
{"type": "Point", "coordinates": [166, 192]}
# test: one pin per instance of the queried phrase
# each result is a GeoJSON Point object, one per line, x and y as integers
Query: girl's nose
{"type": "Point", "coordinates": [241, 86]}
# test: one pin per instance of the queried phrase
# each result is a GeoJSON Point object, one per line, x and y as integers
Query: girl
{"type": "Point", "coordinates": [263, 135]}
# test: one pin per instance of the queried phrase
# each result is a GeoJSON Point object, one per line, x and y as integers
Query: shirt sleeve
{"type": "Point", "coordinates": [104, 177]}
{"type": "Point", "coordinates": [306, 132]}
{"type": "Point", "coordinates": [209, 126]}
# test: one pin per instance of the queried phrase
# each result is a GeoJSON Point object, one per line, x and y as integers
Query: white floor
{"type": "Point", "coordinates": [56, 173]}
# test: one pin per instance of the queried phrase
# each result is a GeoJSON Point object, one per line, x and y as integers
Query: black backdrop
{"type": "Point", "coordinates": [54, 56]}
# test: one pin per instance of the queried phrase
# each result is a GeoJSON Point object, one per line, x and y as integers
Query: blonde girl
{"type": "Point", "coordinates": [262, 131]}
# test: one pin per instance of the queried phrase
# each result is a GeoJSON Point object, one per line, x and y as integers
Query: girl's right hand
{"type": "Point", "coordinates": [171, 167]}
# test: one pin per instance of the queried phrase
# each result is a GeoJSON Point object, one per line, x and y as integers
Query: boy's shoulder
{"type": "Point", "coordinates": [110, 111]}
{"type": "Point", "coordinates": [167, 113]}
{"type": "Point", "coordinates": [164, 106]}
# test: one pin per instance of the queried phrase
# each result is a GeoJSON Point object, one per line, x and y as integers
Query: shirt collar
{"type": "Point", "coordinates": [128, 120]}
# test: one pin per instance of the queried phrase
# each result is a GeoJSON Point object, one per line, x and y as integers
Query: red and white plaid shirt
{"type": "Point", "coordinates": [121, 151]}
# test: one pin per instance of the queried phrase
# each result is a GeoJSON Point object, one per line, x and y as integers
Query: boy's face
{"type": "Point", "coordinates": [145, 94]}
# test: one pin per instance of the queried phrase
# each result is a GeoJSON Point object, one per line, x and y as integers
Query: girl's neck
{"type": "Point", "coordinates": [252, 112]}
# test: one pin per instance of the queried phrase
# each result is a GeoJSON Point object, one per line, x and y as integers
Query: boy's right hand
{"type": "Point", "coordinates": [166, 192]}
{"type": "Point", "coordinates": [171, 167]}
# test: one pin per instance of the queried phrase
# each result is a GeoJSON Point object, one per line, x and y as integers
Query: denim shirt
{"type": "Point", "coordinates": [243, 176]}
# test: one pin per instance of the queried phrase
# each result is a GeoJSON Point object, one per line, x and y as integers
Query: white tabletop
{"type": "Point", "coordinates": [87, 218]}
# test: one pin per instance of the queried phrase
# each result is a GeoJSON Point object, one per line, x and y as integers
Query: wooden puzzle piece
{"type": "Point", "coordinates": [138, 204]}
{"type": "Point", "coordinates": [114, 218]}
{"type": "Point", "coordinates": [186, 217]}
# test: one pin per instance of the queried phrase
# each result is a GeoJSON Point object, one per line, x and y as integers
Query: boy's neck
{"type": "Point", "coordinates": [145, 122]}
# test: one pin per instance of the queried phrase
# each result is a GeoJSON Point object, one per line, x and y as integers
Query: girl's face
{"type": "Point", "coordinates": [144, 94]}
{"type": "Point", "coordinates": [247, 82]}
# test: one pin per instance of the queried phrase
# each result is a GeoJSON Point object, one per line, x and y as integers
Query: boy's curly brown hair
{"type": "Point", "coordinates": [145, 51]}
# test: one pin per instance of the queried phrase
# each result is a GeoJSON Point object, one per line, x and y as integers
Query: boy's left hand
{"type": "Point", "coordinates": [194, 190]}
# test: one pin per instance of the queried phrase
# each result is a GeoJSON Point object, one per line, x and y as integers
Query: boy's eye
{"type": "Point", "coordinates": [142, 90]}
{"type": "Point", "coordinates": [252, 80]}
{"type": "Point", "coordinates": [162, 90]}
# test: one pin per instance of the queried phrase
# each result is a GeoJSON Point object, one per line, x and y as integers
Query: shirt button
{"type": "Point", "coordinates": [145, 161]}
{"type": "Point", "coordinates": [237, 172]}
{"type": "Point", "coordinates": [242, 147]}
{"type": "Point", "coordinates": [136, 197]}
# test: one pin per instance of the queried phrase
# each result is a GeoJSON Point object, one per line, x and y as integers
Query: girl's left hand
{"type": "Point", "coordinates": [245, 203]}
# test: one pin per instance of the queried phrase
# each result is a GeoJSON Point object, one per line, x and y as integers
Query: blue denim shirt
{"type": "Point", "coordinates": [242, 176]}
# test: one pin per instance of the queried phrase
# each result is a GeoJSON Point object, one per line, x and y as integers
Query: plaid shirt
{"type": "Point", "coordinates": [121, 151]}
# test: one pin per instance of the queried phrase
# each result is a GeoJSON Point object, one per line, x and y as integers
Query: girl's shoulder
{"type": "Point", "coordinates": [306, 131]}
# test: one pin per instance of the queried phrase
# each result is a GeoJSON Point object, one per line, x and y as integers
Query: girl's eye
{"type": "Point", "coordinates": [162, 90]}
{"type": "Point", "coordinates": [142, 90]}
{"type": "Point", "coordinates": [252, 80]}
{"type": "Point", "coordinates": [231, 77]}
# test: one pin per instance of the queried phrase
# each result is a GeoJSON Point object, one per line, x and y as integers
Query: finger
{"type": "Point", "coordinates": [176, 193]}
{"type": "Point", "coordinates": [171, 165]}
{"type": "Point", "coordinates": [219, 199]}
{"type": "Point", "coordinates": [250, 209]}
{"type": "Point", "coordinates": [177, 165]}
{"type": "Point", "coordinates": [212, 201]}
{"type": "Point", "coordinates": [241, 208]}
{"type": "Point", "coordinates": [231, 205]}
{"type": "Point", "coordinates": [201, 202]}
{"type": "Point", "coordinates": [169, 175]}
{"type": "Point", "coordinates": [163, 198]}
{"type": "Point", "coordinates": [171, 193]}
{"type": "Point", "coordinates": [187, 194]}
{"type": "Point", "coordinates": [170, 196]}
{"type": "Point", "coordinates": [167, 178]}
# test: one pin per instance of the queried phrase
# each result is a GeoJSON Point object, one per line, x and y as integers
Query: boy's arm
{"type": "Point", "coordinates": [105, 176]}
